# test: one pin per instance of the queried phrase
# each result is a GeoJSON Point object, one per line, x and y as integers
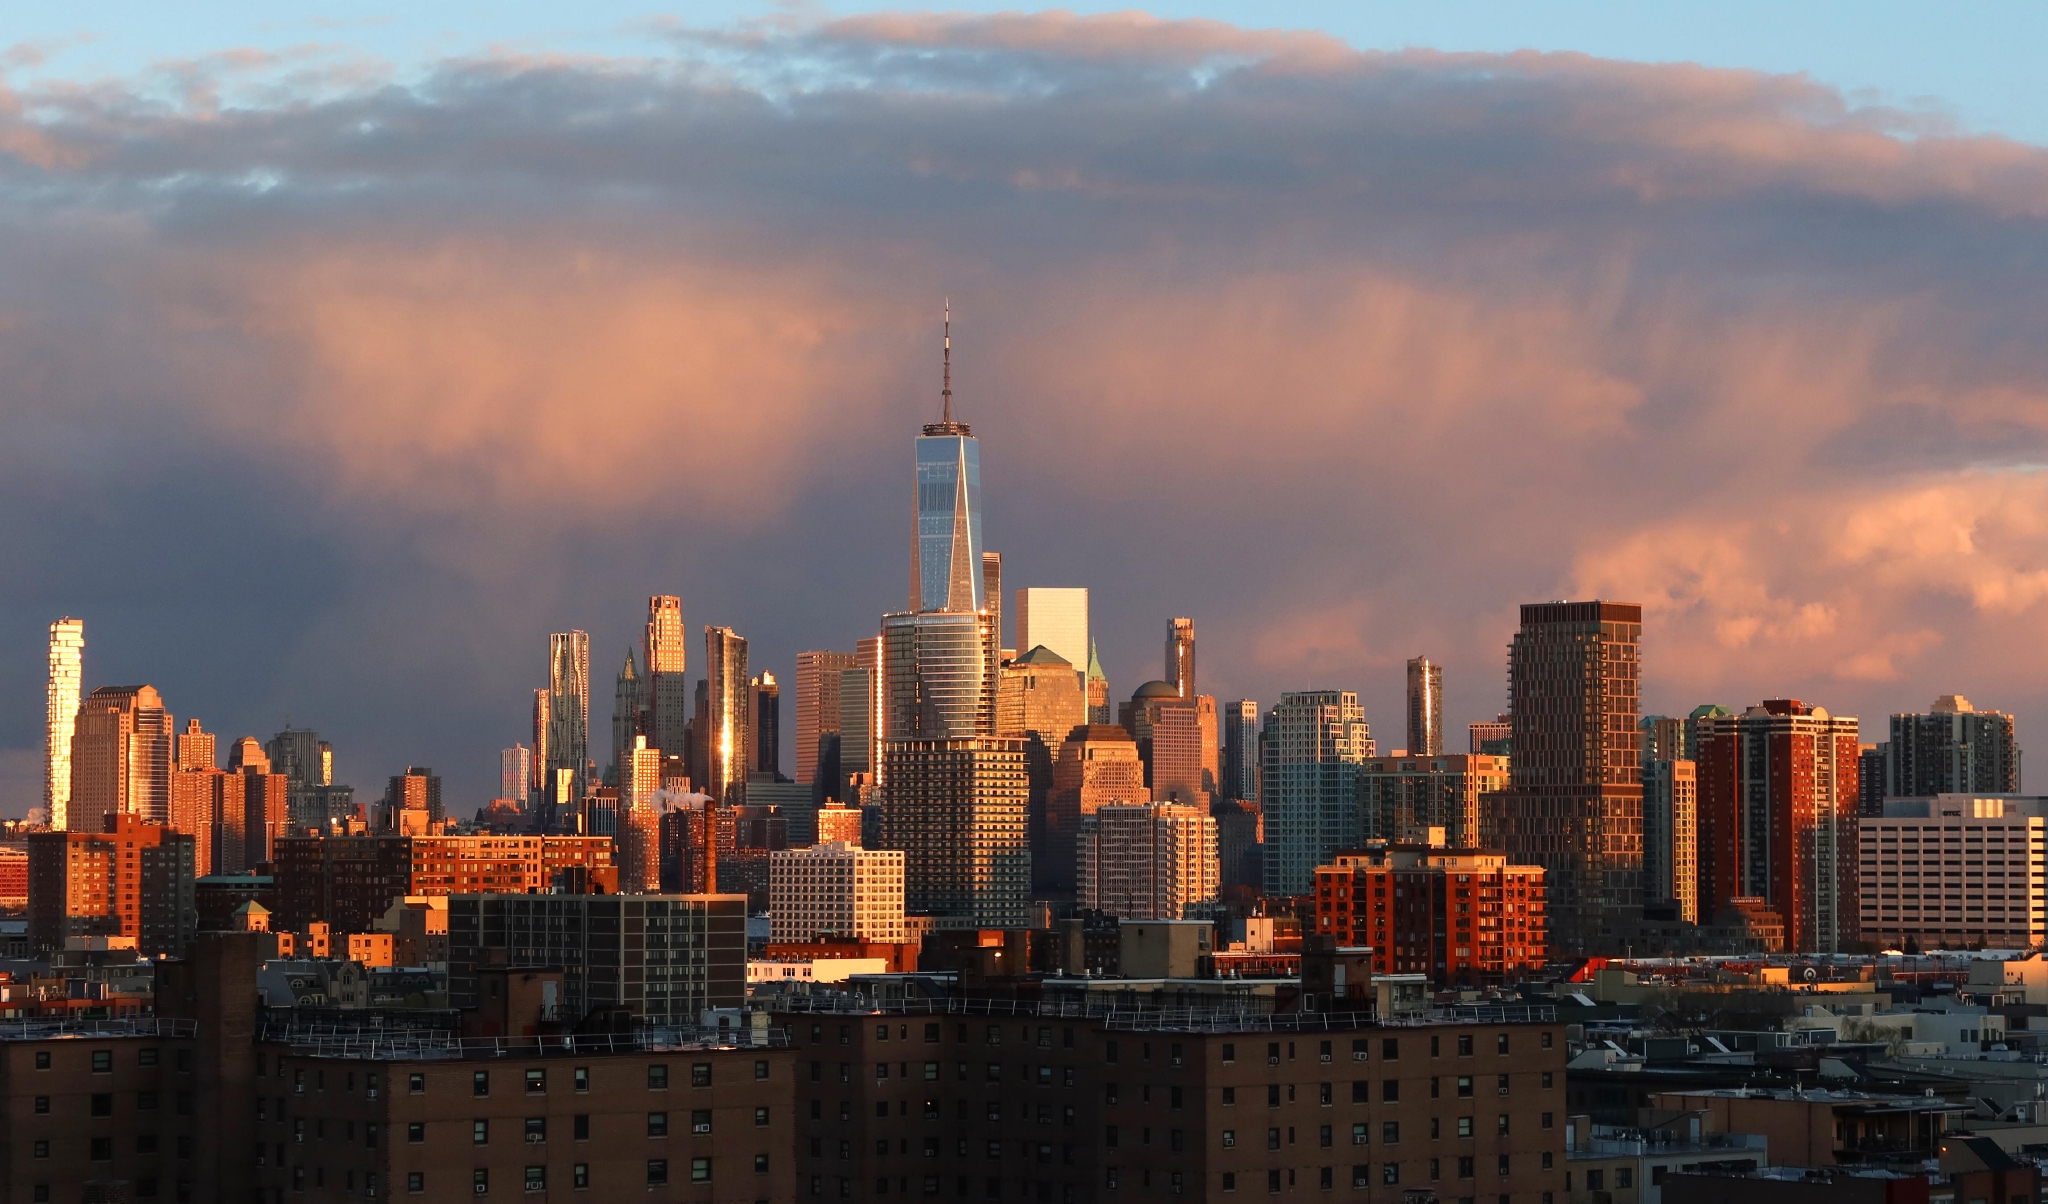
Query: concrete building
{"type": "Point", "coordinates": [1953, 871]}
{"type": "Point", "coordinates": [838, 822]}
{"type": "Point", "coordinates": [1671, 836]}
{"type": "Point", "coordinates": [1425, 708]}
{"type": "Point", "coordinates": [1056, 618]}
{"type": "Point", "coordinates": [1402, 798]}
{"type": "Point", "coordinates": [133, 880]}
{"type": "Point", "coordinates": [1777, 819]}
{"type": "Point", "coordinates": [1098, 766]}
{"type": "Point", "coordinates": [1461, 916]}
{"type": "Point", "coordinates": [1953, 749]}
{"type": "Point", "coordinates": [1574, 802]}
{"type": "Point", "coordinates": [664, 959]}
{"type": "Point", "coordinates": [836, 889]}
{"type": "Point", "coordinates": [817, 705]}
{"type": "Point", "coordinates": [515, 772]}
{"type": "Point", "coordinates": [122, 758]}
{"type": "Point", "coordinates": [1312, 745]}
{"type": "Point", "coordinates": [1149, 861]}
{"type": "Point", "coordinates": [956, 808]}
{"type": "Point", "coordinates": [67, 678]}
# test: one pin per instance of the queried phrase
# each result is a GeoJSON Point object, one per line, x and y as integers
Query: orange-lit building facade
{"type": "Point", "coordinates": [1463, 917]}
{"type": "Point", "coordinates": [349, 881]}
{"type": "Point", "coordinates": [132, 880]}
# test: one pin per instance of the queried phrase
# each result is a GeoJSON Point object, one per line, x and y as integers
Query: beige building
{"type": "Point", "coordinates": [1671, 865]}
{"type": "Point", "coordinates": [1056, 618]}
{"type": "Point", "coordinates": [1402, 798]}
{"type": "Point", "coordinates": [1039, 693]}
{"type": "Point", "coordinates": [1955, 869]}
{"type": "Point", "coordinates": [1147, 861]}
{"type": "Point", "coordinates": [1098, 766]}
{"type": "Point", "coordinates": [956, 808]}
{"type": "Point", "coordinates": [835, 889]}
{"type": "Point", "coordinates": [67, 675]}
{"type": "Point", "coordinates": [838, 822]}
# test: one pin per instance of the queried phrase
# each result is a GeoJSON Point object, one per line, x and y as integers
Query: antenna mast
{"type": "Point", "coordinates": [947, 391]}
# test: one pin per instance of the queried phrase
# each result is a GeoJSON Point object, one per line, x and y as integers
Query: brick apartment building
{"type": "Point", "coordinates": [1461, 916]}
{"type": "Point", "coordinates": [132, 880]}
{"type": "Point", "coordinates": [912, 1102]}
{"type": "Point", "coordinates": [349, 881]}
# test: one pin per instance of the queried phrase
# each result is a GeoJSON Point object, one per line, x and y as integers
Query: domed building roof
{"type": "Point", "coordinates": [1155, 689]}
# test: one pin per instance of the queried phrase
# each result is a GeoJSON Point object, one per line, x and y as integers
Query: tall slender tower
{"type": "Point", "coordinates": [1097, 684]}
{"type": "Point", "coordinates": [569, 707]}
{"type": "Point", "coordinates": [628, 698]}
{"type": "Point", "coordinates": [817, 705]}
{"type": "Point", "coordinates": [67, 675]}
{"type": "Point", "coordinates": [1180, 656]}
{"type": "Point", "coordinates": [725, 737]}
{"type": "Point", "coordinates": [667, 692]}
{"type": "Point", "coordinates": [123, 758]}
{"type": "Point", "coordinates": [946, 572]}
{"type": "Point", "coordinates": [1425, 708]}
{"type": "Point", "coordinates": [764, 734]}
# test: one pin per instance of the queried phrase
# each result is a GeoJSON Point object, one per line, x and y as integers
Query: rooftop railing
{"type": "Point", "coordinates": [377, 1044]}
{"type": "Point", "coordinates": [85, 1028]}
{"type": "Point", "coordinates": [1178, 1019]}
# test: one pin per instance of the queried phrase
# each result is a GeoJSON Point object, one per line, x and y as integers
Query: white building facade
{"type": "Point", "coordinates": [1955, 869]}
{"type": "Point", "coordinates": [838, 889]}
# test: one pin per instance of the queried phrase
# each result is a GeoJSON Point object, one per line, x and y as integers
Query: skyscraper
{"type": "Point", "coordinates": [1953, 749]}
{"type": "Point", "coordinates": [1056, 618]}
{"type": "Point", "coordinates": [569, 707]}
{"type": "Point", "coordinates": [1180, 656]}
{"type": "Point", "coordinates": [306, 761]}
{"type": "Point", "coordinates": [1671, 835]}
{"type": "Point", "coordinates": [817, 704]}
{"type": "Point", "coordinates": [67, 677]}
{"type": "Point", "coordinates": [992, 599]}
{"type": "Point", "coordinates": [666, 694]}
{"type": "Point", "coordinates": [937, 675]}
{"type": "Point", "coordinates": [1777, 820]}
{"type": "Point", "coordinates": [1099, 708]}
{"type": "Point", "coordinates": [945, 565]}
{"type": "Point", "coordinates": [121, 758]}
{"type": "Point", "coordinates": [1312, 745]}
{"type": "Point", "coordinates": [1038, 701]}
{"type": "Point", "coordinates": [1097, 766]}
{"type": "Point", "coordinates": [956, 808]}
{"type": "Point", "coordinates": [515, 772]}
{"type": "Point", "coordinates": [727, 721]}
{"type": "Point", "coordinates": [1493, 737]}
{"type": "Point", "coordinates": [638, 835]}
{"type": "Point", "coordinates": [196, 747]}
{"type": "Point", "coordinates": [1146, 861]}
{"type": "Point", "coordinates": [764, 737]}
{"type": "Point", "coordinates": [1574, 803]}
{"type": "Point", "coordinates": [1425, 708]}
{"type": "Point", "coordinates": [629, 699]}
{"type": "Point", "coordinates": [1240, 750]}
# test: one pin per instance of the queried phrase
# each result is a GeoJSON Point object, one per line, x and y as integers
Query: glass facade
{"type": "Point", "coordinates": [939, 676]}
{"type": "Point", "coordinates": [947, 572]}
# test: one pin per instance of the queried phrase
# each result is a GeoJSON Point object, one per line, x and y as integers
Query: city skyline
{"type": "Point", "coordinates": [1569, 419]}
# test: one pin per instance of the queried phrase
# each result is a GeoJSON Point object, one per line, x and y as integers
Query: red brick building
{"type": "Point", "coordinates": [1463, 917]}
{"type": "Point", "coordinates": [349, 881]}
{"type": "Point", "coordinates": [132, 880]}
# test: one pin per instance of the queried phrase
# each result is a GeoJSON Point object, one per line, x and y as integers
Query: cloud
{"type": "Point", "coordinates": [331, 392]}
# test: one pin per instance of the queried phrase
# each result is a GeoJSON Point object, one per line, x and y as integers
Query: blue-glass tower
{"type": "Point", "coordinates": [945, 554]}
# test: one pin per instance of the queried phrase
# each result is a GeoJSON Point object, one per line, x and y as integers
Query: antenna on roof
{"type": "Point", "coordinates": [947, 391]}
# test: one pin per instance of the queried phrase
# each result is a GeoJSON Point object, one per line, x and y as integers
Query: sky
{"type": "Point", "coordinates": [344, 358]}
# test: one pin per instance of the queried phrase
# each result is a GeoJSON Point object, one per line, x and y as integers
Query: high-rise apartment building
{"type": "Point", "coordinates": [1953, 749]}
{"type": "Point", "coordinates": [1056, 618]}
{"type": "Point", "coordinates": [1240, 750]}
{"type": "Point", "coordinates": [121, 758]}
{"type": "Point", "coordinates": [569, 707]}
{"type": "Point", "coordinates": [412, 801]}
{"type": "Point", "coordinates": [266, 809]}
{"type": "Point", "coordinates": [992, 599]}
{"type": "Point", "coordinates": [349, 881]}
{"type": "Point", "coordinates": [1099, 708]}
{"type": "Point", "coordinates": [1146, 861]}
{"type": "Point", "coordinates": [956, 808]}
{"type": "Point", "coordinates": [541, 787]}
{"type": "Point", "coordinates": [307, 764]}
{"type": "Point", "coordinates": [1425, 707]}
{"type": "Point", "coordinates": [1777, 819]}
{"type": "Point", "coordinates": [132, 879]}
{"type": "Point", "coordinates": [67, 678]}
{"type": "Point", "coordinates": [938, 675]}
{"type": "Point", "coordinates": [1665, 738]}
{"type": "Point", "coordinates": [764, 733]}
{"type": "Point", "coordinates": [1312, 745]}
{"type": "Point", "coordinates": [837, 822]}
{"type": "Point", "coordinates": [197, 748]}
{"type": "Point", "coordinates": [1180, 656]}
{"type": "Point", "coordinates": [1492, 737]}
{"type": "Point", "coordinates": [728, 722]}
{"type": "Point", "coordinates": [638, 820]}
{"type": "Point", "coordinates": [1097, 766]}
{"type": "Point", "coordinates": [835, 888]}
{"type": "Point", "coordinates": [515, 772]}
{"type": "Point", "coordinates": [1465, 917]}
{"type": "Point", "coordinates": [1401, 799]}
{"type": "Point", "coordinates": [1574, 803]}
{"type": "Point", "coordinates": [1870, 775]}
{"type": "Point", "coordinates": [1671, 836]}
{"type": "Point", "coordinates": [817, 705]}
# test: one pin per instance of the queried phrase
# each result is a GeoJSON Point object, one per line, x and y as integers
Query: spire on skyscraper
{"type": "Point", "coordinates": [946, 425]}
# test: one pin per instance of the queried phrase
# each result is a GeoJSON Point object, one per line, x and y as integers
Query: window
{"type": "Point", "coordinates": [761, 1070]}
{"type": "Point", "coordinates": [1464, 1126]}
{"type": "Point", "coordinates": [1596, 1180]}
{"type": "Point", "coordinates": [581, 1131]}
{"type": "Point", "coordinates": [1546, 1120]}
{"type": "Point", "coordinates": [103, 1061]}
{"type": "Point", "coordinates": [1229, 1052]}
{"type": "Point", "coordinates": [1502, 1170]}
{"type": "Point", "coordinates": [1500, 1044]}
{"type": "Point", "coordinates": [1325, 1137]}
{"type": "Point", "coordinates": [579, 1175]}
{"type": "Point", "coordinates": [1230, 1096]}
{"type": "Point", "coordinates": [700, 1074]}
{"type": "Point", "coordinates": [536, 1178]}
{"type": "Point", "coordinates": [700, 1170]}
{"type": "Point", "coordinates": [42, 1149]}
{"type": "Point", "coordinates": [1501, 1124]}
{"type": "Point", "coordinates": [416, 1132]}
{"type": "Point", "coordinates": [536, 1082]}
{"type": "Point", "coordinates": [1546, 1075]}
{"type": "Point", "coordinates": [700, 1121]}
{"type": "Point", "coordinates": [42, 1059]}
{"type": "Point", "coordinates": [1326, 1177]}
{"type": "Point", "coordinates": [1546, 1040]}
{"type": "Point", "coordinates": [415, 1181]}
{"type": "Point", "coordinates": [761, 1115]}
{"type": "Point", "coordinates": [657, 1124]}
{"type": "Point", "coordinates": [1465, 1162]}
{"type": "Point", "coordinates": [1624, 1176]}
{"type": "Point", "coordinates": [43, 1106]}
{"type": "Point", "coordinates": [1272, 1095]}
{"type": "Point", "coordinates": [480, 1083]}
{"type": "Point", "coordinates": [1390, 1049]}
{"type": "Point", "coordinates": [1390, 1091]}
{"type": "Point", "coordinates": [416, 1083]}
{"type": "Point", "coordinates": [145, 1057]}
{"type": "Point", "coordinates": [103, 1104]}
{"type": "Point", "coordinates": [657, 1077]}
{"type": "Point", "coordinates": [536, 1130]}
{"type": "Point", "coordinates": [1361, 1091]}
{"type": "Point", "coordinates": [657, 1171]}
{"type": "Point", "coordinates": [1464, 1086]}
{"type": "Point", "coordinates": [760, 1164]}
{"type": "Point", "coordinates": [1501, 1084]}
{"type": "Point", "coordinates": [1358, 1134]}
{"type": "Point", "coordinates": [581, 1079]}
{"type": "Point", "coordinates": [480, 1181]}
{"type": "Point", "coordinates": [1390, 1172]}
{"type": "Point", "coordinates": [1326, 1093]}
{"type": "Point", "coordinates": [1229, 1138]}
{"type": "Point", "coordinates": [102, 1149]}
{"type": "Point", "coordinates": [479, 1132]}
{"type": "Point", "coordinates": [1465, 1045]}
{"type": "Point", "coordinates": [1272, 1181]}
{"type": "Point", "coordinates": [1229, 1181]}
{"type": "Point", "coordinates": [1390, 1131]}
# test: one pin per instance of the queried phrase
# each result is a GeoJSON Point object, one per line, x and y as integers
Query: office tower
{"type": "Point", "coordinates": [992, 595]}
{"type": "Point", "coordinates": [1425, 707]}
{"type": "Point", "coordinates": [1870, 774]}
{"type": "Point", "coordinates": [1209, 723]}
{"type": "Point", "coordinates": [196, 747]}
{"type": "Point", "coordinates": [1039, 701]}
{"type": "Point", "coordinates": [662, 959]}
{"type": "Point", "coordinates": [1915, 892]}
{"type": "Point", "coordinates": [1180, 656]}
{"type": "Point", "coordinates": [1178, 749]}
{"type": "Point", "coordinates": [1312, 744]}
{"type": "Point", "coordinates": [838, 822]}
{"type": "Point", "coordinates": [1407, 904]}
{"type": "Point", "coordinates": [1953, 749]}
{"type": "Point", "coordinates": [1056, 618]}
{"type": "Point", "coordinates": [1099, 709]}
{"type": "Point", "coordinates": [817, 706]}
{"type": "Point", "coordinates": [121, 758]}
{"type": "Point", "coordinates": [666, 694]}
{"type": "Point", "coordinates": [515, 772]}
{"type": "Point", "coordinates": [764, 737]}
{"type": "Point", "coordinates": [1671, 836]}
{"type": "Point", "coordinates": [956, 808]}
{"type": "Point", "coordinates": [937, 675]}
{"type": "Point", "coordinates": [1493, 737]}
{"type": "Point", "coordinates": [1402, 799]}
{"type": "Point", "coordinates": [1146, 861]}
{"type": "Point", "coordinates": [1574, 803]}
{"type": "Point", "coordinates": [726, 720]}
{"type": "Point", "coordinates": [247, 756]}
{"type": "Point", "coordinates": [1098, 766]}
{"type": "Point", "coordinates": [67, 678]}
{"type": "Point", "coordinates": [689, 847]}
{"type": "Point", "coordinates": [945, 555]}
{"type": "Point", "coordinates": [1240, 751]}
{"type": "Point", "coordinates": [195, 798]}
{"type": "Point", "coordinates": [569, 706]}
{"type": "Point", "coordinates": [856, 726]}
{"type": "Point", "coordinates": [629, 700]}
{"type": "Point", "coordinates": [835, 888]}
{"type": "Point", "coordinates": [638, 824]}
{"type": "Point", "coordinates": [1777, 820]}
{"type": "Point", "coordinates": [132, 879]}
{"type": "Point", "coordinates": [307, 763]}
